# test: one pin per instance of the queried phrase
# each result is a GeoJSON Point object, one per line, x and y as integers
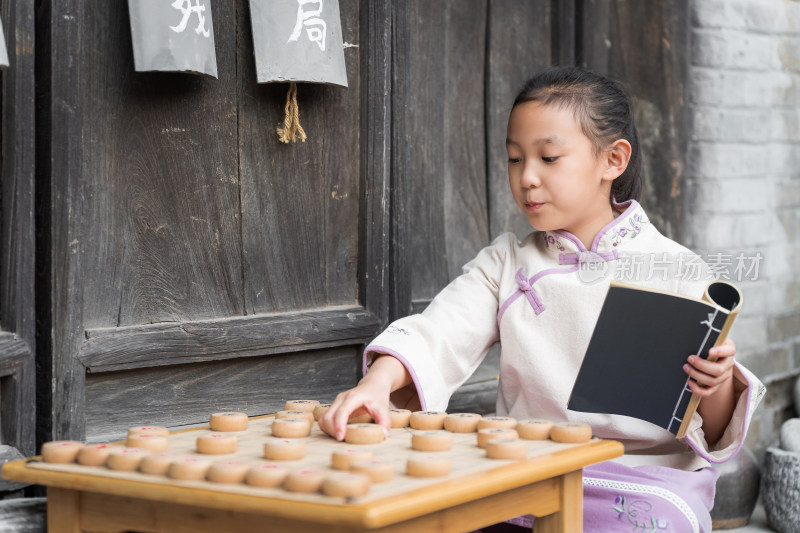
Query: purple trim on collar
{"type": "Point", "coordinates": [388, 351]}
{"type": "Point", "coordinates": [582, 256]}
{"type": "Point", "coordinates": [622, 217]}
{"type": "Point", "coordinates": [700, 450]}
{"type": "Point", "coordinates": [567, 235]}
{"type": "Point", "coordinates": [629, 206]}
{"type": "Point", "coordinates": [587, 257]}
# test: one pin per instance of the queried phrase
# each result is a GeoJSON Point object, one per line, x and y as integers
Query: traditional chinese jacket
{"type": "Point", "coordinates": [541, 299]}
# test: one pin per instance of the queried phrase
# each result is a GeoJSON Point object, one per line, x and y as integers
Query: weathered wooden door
{"type": "Point", "coordinates": [197, 264]}
{"type": "Point", "coordinates": [191, 263]}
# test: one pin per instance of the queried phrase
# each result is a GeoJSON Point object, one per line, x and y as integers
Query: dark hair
{"type": "Point", "coordinates": [602, 107]}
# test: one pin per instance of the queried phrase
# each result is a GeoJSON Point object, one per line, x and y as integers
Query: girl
{"type": "Point", "coordinates": [574, 169]}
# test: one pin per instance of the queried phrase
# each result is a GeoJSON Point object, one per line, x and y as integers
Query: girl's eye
{"type": "Point", "coordinates": [549, 159]}
{"type": "Point", "coordinates": [514, 160]}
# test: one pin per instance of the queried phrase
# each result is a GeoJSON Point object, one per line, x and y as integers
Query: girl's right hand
{"type": "Point", "coordinates": [367, 398]}
{"type": "Point", "coordinates": [371, 396]}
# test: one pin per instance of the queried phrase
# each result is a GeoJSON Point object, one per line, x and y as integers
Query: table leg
{"type": "Point", "coordinates": [569, 518]}
{"type": "Point", "coordinates": [63, 513]}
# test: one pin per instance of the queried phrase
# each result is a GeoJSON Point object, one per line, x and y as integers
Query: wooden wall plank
{"type": "Point", "coordinates": [464, 175]}
{"type": "Point", "coordinates": [419, 144]}
{"type": "Point", "coordinates": [114, 349]}
{"type": "Point", "coordinates": [188, 394]}
{"type": "Point", "coordinates": [341, 155]}
{"type": "Point", "coordinates": [63, 152]}
{"type": "Point", "coordinates": [645, 44]}
{"type": "Point", "coordinates": [299, 201]}
{"type": "Point", "coordinates": [520, 42]}
{"type": "Point", "coordinates": [17, 225]}
{"type": "Point", "coordinates": [438, 144]}
{"type": "Point", "coordinates": [564, 39]}
{"type": "Point", "coordinates": [376, 154]}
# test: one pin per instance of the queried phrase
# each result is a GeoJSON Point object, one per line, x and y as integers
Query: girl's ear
{"type": "Point", "coordinates": [616, 159]}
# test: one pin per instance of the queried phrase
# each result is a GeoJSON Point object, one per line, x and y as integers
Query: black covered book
{"type": "Point", "coordinates": [634, 362]}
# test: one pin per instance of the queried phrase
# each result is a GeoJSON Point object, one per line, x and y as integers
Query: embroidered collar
{"type": "Point", "coordinates": [574, 255]}
{"type": "Point", "coordinates": [630, 223]}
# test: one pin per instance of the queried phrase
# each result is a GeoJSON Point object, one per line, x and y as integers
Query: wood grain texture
{"type": "Point", "coordinates": [438, 149]}
{"type": "Point", "coordinates": [376, 154]}
{"type": "Point", "coordinates": [160, 236]}
{"type": "Point", "coordinates": [143, 191]}
{"type": "Point", "coordinates": [63, 510]}
{"type": "Point", "coordinates": [113, 349]}
{"type": "Point", "coordinates": [105, 512]}
{"type": "Point", "coordinates": [17, 228]}
{"type": "Point", "coordinates": [300, 201]}
{"type": "Point", "coordinates": [645, 44]}
{"type": "Point", "coordinates": [564, 31]}
{"type": "Point", "coordinates": [520, 42]}
{"type": "Point", "coordinates": [188, 394]}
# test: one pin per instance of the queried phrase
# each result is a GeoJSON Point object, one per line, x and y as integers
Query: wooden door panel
{"type": "Point", "coordinates": [439, 156]}
{"type": "Point", "coordinates": [158, 230]}
{"type": "Point", "coordinates": [184, 238]}
{"type": "Point", "coordinates": [187, 394]}
{"type": "Point", "coordinates": [300, 202]}
{"type": "Point", "coordinates": [17, 239]}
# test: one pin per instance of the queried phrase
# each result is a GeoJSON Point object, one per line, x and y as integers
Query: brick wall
{"type": "Point", "coordinates": [743, 190]}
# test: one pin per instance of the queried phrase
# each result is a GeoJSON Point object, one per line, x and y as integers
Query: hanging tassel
{"type": "Point", "coordinates": [291, 122]}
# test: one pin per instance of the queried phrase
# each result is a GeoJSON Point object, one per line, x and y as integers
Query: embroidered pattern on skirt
{"type": "Point", "coordinates": [631, 511]}
{"type": "Point", "coordinates": [671, 497]}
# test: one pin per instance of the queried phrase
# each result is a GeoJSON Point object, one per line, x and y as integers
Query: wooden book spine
{"type": "Point", "coordinates": [732, 314]}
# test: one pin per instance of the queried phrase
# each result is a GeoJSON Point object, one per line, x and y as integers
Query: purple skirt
{"type": "Point", "coordinates": [653, 499]}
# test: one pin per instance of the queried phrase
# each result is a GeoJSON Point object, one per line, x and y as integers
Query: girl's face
{"type": "Point", "coordinates": [556, 178]}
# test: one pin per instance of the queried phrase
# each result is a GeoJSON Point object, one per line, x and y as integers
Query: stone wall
{"type": "Point", "coordinates": [743, 190]}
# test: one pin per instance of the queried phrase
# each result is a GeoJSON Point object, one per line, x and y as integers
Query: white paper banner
{"type": "Point", "coordinates": [173, 35]}
{"type": "Point", "coordinates": [298, 40]}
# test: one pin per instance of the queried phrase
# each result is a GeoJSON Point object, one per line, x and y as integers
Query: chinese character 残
{"type": "Point", "coordinates": [186, 8]}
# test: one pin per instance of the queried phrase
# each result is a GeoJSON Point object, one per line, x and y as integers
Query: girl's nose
{"type": "Point", "coordinates": [530, 177]}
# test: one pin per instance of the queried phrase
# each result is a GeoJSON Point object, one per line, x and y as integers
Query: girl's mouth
{"type": "Point", "coordinates": [533, 206]}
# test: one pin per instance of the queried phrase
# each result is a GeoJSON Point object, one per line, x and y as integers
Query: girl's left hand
{"type": "Point", "coordinates": [707, 376]}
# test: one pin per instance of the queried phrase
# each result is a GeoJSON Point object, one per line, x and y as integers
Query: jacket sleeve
{"type": "Point", "coordinates": [442, 346]}
{"type": "Point", "coordinates": [749, 391]}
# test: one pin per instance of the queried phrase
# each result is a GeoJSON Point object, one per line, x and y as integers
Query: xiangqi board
{"type": "Point", "coordinates": [465, 457]}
